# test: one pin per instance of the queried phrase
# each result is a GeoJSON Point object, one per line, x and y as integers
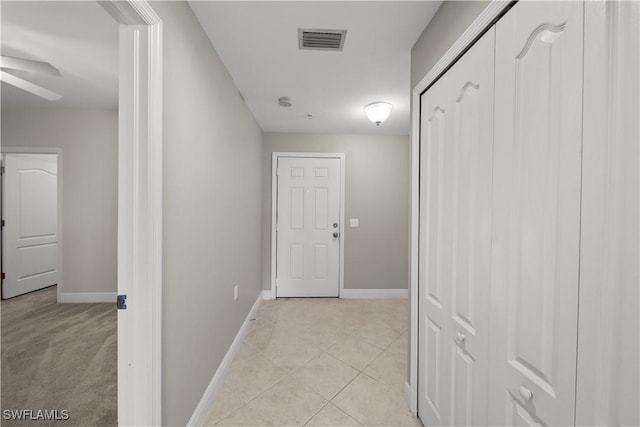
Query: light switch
{"type": "Point", "coordinates": [353, 222]}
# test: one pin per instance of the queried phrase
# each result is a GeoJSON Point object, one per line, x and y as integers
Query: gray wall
{"type": "Point", "coordinates": [449, 22]}
{"type": "Point", "coordinates": [89, 143]}
{"type": "Point", "coordinates": [377, 192]}
{"type": "Point", "coordinates": [212, 211]}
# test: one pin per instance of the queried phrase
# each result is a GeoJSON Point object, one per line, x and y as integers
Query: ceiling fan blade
{"type": "Point", "coordinates": [29, 87]}
{"type": "Point", "coordinates": [28, 65]}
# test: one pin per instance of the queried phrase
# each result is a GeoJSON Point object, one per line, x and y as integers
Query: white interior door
{"type": "Point", "coordinates": [30, 235]}
{"type": "Point", "coordinates": [455, 240]}
{"type": "Point", "coordinates": [308, 227]}
{"type": "Point", "coordinates": [536, 241]}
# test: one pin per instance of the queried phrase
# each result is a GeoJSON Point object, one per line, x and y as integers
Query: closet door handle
{"type": "Point", "coordinates": [525, 393]}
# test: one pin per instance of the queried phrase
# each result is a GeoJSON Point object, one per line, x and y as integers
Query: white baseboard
{"type": "Point", "coordinates": [374, 293]}
{"type": "Point", "coordinates": [266, 295]}
{"type": "Point", "coordinates": [407, 396]}
{"type": "Point", "coordinates": [81, 297]}
{"type": "Point", "coordinates": [199, 415]}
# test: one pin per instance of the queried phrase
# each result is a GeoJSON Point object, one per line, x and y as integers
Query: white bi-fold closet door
{"type": "Point", "coordinates": [455, 240]}
{"type": "Point", "coordinates": [529, 187]}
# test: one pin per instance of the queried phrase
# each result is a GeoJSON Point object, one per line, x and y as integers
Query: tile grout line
{"type": "Point", "coordinates": [346, 413]}
{"type": "Point", "coordinates": [341, 390]}
{"type": "Point", "coordinates": [365, 374]}
{"type": "Point", "coordinates": [255, 397]}
{"type": "Point", "coordinates": [319, 410]}
{"type": "Point", "coordinates": [382, 352]}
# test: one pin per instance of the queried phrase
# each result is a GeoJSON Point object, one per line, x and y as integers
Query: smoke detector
{"type": "Point", "coordinates": [284, 101]}
{"type": "Point", "coordinates": [309, 39]}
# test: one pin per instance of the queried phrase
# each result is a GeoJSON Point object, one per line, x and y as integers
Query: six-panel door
{"type": "Point", "coordinates": [455, 241]}
{"type": "Point", "coordinates": [308, 227]}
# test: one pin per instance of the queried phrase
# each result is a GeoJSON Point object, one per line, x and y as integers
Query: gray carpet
{"type": "Point", "coordinates": [59, 356]}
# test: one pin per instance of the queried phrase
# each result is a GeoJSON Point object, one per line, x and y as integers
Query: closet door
{"type": "Point", "coordinates": [536, 240]}
{"type": "Point", "coordinates": [455, 240]}
{"type": "Point", "coordinates": [608, 349]}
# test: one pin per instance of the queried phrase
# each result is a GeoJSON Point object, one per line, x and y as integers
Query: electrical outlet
{"type": "Point", "coordinates": [235, 292]}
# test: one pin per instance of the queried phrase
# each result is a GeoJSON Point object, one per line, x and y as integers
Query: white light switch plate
{"type": "Point", "coordinates": [353, 222]}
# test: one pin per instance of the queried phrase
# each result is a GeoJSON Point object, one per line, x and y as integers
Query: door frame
{"type": "Point", "coordinates": [485, 20]}
{"type": "Point", "coordinates": [42, 150]}
{"type": "Point", "coordinates": [274, 209]}
{"type": "Point", "coordinates": [139, 211]}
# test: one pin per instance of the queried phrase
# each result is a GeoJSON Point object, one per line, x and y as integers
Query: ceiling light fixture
{"type": "Point", "coordinates": [378, 112]}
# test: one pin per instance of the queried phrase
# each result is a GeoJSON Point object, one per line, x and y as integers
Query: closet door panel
{"type": "Point", "coordinates": [435, 190]}
{"type": "Point", "coordinates": [608, 341]}
{"type": "Point", "coordinates": [455, 240]}
{"type": "Point", "coordinates": [472, 89]}
{"type": "Point", "coordinates": [536, 213]}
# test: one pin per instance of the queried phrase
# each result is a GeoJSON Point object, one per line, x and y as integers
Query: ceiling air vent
{"type": "Point", "coordinates": [321, 39]}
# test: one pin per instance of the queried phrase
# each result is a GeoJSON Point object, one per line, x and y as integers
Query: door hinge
{"type": "Point", "coordinates": [122, 302]}
{"type": "Point", "coordinates": [3, 275]}
{"type": "Point", "coordinates": [2, 223]}
{"type": "Point", "coordinates": [1, 170]}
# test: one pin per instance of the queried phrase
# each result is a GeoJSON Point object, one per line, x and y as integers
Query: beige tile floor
{"type": "Point", "coordinates": [319, 362]}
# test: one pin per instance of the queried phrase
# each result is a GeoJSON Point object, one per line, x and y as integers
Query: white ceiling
{"type": "Point", "coordinates": [77, 37]}
{"type": "Point", "coordinates": [258, 43]}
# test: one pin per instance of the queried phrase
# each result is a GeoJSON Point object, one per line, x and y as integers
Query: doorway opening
{"type": "Point", "coordinates": [139, 210]}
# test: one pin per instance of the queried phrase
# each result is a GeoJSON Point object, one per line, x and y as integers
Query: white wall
{"type": "Point", "coordinates": [377, 193]}
{"type": "Point", "coordinates": [89, 143]}
{"type": "Point", "coordinates": [212, 211]}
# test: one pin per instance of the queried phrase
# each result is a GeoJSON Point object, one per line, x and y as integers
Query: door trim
{"type": "Point", "coordinates": [490, 14]}
{"type": "Point", "coordinates": [139, 211]}
{"type": "Point", "coordinates": [274, 208]}
{"type": "Point", "coordinates": [43, 150]}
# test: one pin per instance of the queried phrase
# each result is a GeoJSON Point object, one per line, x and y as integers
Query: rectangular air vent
{"type": "Point", "coordinates": [321, 39]}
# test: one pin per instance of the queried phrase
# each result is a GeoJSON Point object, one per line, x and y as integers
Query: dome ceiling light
{"type": "Point", "coordinates": [378, 112]}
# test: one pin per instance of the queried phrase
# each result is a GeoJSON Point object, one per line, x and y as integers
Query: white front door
{"type": "Point", "coordinates": [536, 240]}
{"type": "Point", "coordinates": [308, 227]}
{"type": "Point", "coordinates": [30, 235]}
{"type": "Point", "coordinates": [455, 241]}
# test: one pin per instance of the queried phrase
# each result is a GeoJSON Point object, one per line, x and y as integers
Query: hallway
{"type": "Point", "coordinates": [319, 362]}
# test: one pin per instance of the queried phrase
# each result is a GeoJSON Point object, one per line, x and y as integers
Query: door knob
{"type": "Point", "coordinates": [335, 225]}
{"type": "Point", "coordinates": [461, 337]}
{"type": "Point", "coordinates": [525, 393]}
{"type": "Point", "coordinates": [336, 234]}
